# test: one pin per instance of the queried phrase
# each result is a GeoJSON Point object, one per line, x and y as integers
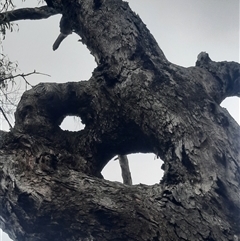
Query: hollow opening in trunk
{"type": "Point", "coordinates": [233, 106]}
{"type": "Point", "coordinates": [72, 123]}
{"type": "Point", "coordinates": [144, 168]}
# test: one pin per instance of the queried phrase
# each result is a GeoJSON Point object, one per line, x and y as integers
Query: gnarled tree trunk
{"type": "Point", "coordinates": [136, 101]}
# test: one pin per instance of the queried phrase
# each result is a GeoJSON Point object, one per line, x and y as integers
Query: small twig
{"type": "Point", "coordinates": [24, 76]}
{"type": "Point", "coordinates": [6, 96]}
{"type": "Point", "coordinates": [4, 115]}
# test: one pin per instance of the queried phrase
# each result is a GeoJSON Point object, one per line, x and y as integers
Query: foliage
{"type": "Point", "coordinates": [9, 87]}
{"type": "Point", "coordinates": [6, 6]}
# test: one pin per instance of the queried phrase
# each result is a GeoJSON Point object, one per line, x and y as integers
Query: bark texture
{"type": "Point", "coordinates": [136, 101]}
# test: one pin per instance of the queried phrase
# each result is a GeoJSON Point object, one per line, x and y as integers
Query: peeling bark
{"type": "Point", "coordinates": [136, 101]}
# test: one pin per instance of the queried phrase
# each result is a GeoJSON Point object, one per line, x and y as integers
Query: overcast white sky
{"type": "Point", "coordinates": [182, 28]}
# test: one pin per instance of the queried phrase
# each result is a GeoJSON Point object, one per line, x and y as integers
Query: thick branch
{"type": "Point", "coordinates": [27, 13]}
{"type": "Point", "coordinates": [226, 74]}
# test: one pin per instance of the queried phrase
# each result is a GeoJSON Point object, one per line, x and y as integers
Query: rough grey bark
{"type": "Point", "coordinates": [136, 101]}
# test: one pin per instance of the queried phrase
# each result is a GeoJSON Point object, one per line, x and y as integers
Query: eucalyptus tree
{"type": "Point", "coordinates": [135, 101]}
